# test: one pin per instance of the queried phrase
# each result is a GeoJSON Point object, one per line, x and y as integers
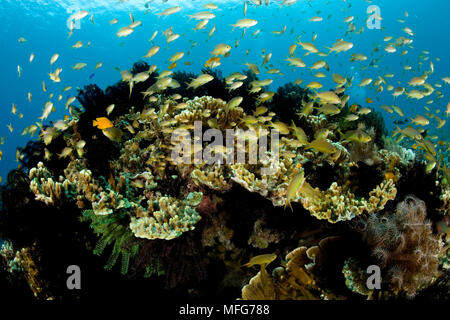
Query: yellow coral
{"type": "Point", "coordinates": [335, 204]}
{"type": "Point", "coordinates": [212, 177]}
{"type": "Point", "coordinates": [294, 282]}
{"type": "Point", "coordinates": [43, 185]}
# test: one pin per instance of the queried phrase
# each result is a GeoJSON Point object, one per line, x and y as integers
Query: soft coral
{"type": "Point", "coordinates": [404, 246]}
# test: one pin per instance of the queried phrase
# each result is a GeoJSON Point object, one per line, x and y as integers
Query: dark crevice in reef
{"type": "Point", "coordinates": [364, 178]}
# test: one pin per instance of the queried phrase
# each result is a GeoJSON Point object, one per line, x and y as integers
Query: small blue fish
{"type": "Point", "coordinates": [91, 76]}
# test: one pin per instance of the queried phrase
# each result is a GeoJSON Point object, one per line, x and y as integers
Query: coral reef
{"type": "Point", "coordinates": [167, 217]}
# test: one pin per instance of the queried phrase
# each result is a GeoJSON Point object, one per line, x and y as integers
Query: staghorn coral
{"type": "Point", "coordinates": [355, 277]}
{"type": "Point", "coordinates": [404, 246]}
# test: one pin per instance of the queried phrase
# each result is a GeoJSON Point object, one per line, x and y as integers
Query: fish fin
{"type": "Point", "coordinates": [286, 204]}
{"type": "Point", "coordinates": [396, 131]}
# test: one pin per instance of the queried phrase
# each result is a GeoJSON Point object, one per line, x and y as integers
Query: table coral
{"type": "Point", "coordinates": [335, 204]}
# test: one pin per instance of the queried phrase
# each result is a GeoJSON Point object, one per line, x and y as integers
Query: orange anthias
{"type": "Point", "coordinates": [102, 123]}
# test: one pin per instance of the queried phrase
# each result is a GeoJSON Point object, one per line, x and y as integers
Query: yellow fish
{"type": "Point", "coordinates": [214, 61]}
{"type": "Point", "coordinates": [114, 134]}
{"type": "Point", "coordinates": [263, 259]}
{"type": "Point", "coordinates": [295, 184]}
{"type": "Point", "coordinates": [102, 123]}
{"type": "Point", "coordinates": [322, 145]}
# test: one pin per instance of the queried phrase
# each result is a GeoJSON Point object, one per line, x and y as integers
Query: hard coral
{"type": "Point", "coordinates": [298, 280]}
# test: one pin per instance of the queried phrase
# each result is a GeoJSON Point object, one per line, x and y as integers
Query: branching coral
{"type": "Point", "coordinates": [44, 187]}
{"type": "Point", "coordinates": [169, 220]}
{"type": "Point", "coordinates": [404, 246]}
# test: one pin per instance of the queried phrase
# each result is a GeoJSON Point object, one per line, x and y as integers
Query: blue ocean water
{"type": "Point", "coordinates": [44, 25]}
